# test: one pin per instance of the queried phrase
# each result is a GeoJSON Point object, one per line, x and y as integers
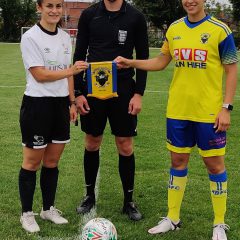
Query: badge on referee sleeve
{"type": "Point", "coordinates": [102, 80]}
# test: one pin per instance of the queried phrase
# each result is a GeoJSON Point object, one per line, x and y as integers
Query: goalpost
{"type": "Point", "coordinates": [71, 31]}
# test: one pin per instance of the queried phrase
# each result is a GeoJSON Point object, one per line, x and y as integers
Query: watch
{"type": "Point", "coordinates": [227, 106]}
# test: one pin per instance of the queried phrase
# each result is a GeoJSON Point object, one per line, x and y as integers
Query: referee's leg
{"type": "Point", "coordinates": [127, 174]}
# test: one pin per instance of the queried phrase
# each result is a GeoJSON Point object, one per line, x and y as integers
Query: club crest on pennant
{"type": "Point", "coordinates": [102, 80]}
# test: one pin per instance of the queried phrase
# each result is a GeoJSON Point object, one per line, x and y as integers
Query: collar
{"type": "Point", "coordinates": [193, 25]}
{"type": "Point", "coordinates": [46, 31]}
{"type": "Point", "coordinates": [123, 8]}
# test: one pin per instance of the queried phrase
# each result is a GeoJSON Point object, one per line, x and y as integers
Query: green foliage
{"type": "Point", "coordinates": [154, 40]}
{"type": "Point", "coordinates": [15, 14]}
{"type": "Point", "coordinates": [161, 12]}
{"type": "Point", "coordinates": [236, 9]}
{"type": "Point", "coordinates": [219, 10]}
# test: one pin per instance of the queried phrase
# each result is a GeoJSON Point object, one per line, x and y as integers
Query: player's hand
{"type": "Point", "coordinates": [222, 122]}
{"type": "Point", "coordinates": [122, 62]}
{"type": "Point", "coordinates": [73, 113]}
{"type": "Point", "coordinates": [79, 66]}
{"type": "Point", "coordinates": [82, 105]}
{"type": "Point", "coordinates": [135, 104]}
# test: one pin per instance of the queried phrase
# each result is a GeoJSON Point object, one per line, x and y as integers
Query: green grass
{"type": "Point", "coordinates": [152, 167]}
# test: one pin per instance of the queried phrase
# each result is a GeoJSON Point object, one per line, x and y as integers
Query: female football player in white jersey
{"type": "Point", "coordinates": [47, 108]}
{"type": "Point", "coordinates": [202, 48]}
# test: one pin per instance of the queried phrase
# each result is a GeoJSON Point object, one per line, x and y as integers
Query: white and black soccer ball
{"type": "Point", "coordinates": [100, 229]}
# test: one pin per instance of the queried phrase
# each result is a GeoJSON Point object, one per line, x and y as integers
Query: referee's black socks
{"type": "Point", "coordinates": [127, 172]}
{"type": "Point", "coordinates": [91, 165]}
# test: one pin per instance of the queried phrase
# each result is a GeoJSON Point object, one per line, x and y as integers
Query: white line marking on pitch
{"type": "Point", "coordinates": [237, 97]}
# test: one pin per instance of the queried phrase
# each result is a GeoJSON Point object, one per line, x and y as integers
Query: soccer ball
{"type": "Point", "coordinates": [99, 229]}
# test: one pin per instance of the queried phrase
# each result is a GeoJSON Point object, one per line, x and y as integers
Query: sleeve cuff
{"type": "Point", "coordinates": [140, 92]}
{"type": "Point", "coordinates": [77, 93]}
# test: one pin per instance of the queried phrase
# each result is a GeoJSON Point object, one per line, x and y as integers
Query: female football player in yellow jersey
{"type": "Point", "coordinates": [202, 49]}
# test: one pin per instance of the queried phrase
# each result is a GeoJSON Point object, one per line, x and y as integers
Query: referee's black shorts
{"type": "Point", "coordinates": [44, 120]}
{"type": "Point", "coordinates": [115, 110]}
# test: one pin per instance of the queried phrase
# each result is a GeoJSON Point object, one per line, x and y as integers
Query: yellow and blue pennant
{"type": "Point", "coordinates": [102, 80]}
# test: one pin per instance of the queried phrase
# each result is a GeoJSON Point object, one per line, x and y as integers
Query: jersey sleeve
{"type": "Point", "coordinates": [227, 50]}
{"type": "Point", "coordinates": [81, 48]}
{"type": "Point", "coordinates": [70, 48]}
{"type": "Point", "coordinates": [31, 53]}
{"type": "Point", "coordinates": [165, 48]}
{"type": "Point", "coordinates": [142, 52]}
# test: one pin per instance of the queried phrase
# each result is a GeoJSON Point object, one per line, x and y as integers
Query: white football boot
{"type": "Point", "coordinates": [165, 225]}
{"type": "Point", "coordinates": [53, 215]}
{"type": "Point", "coordinates": [28, 222]}
{"type": "Point", "coordinates": [219, 232]}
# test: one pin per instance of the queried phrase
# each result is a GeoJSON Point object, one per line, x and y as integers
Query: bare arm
{"type": "Point", "coordinates": [41, 74]}
{"type": "Point", "coordinates": [231, 82]}
{"type": "Point", "coordinates": [71, 89]}
{"type": "Point", "coordinates": [73, 109]}
{"type": "Point", "coordinates": [153, 64]}
{"type": "Point", "coordinates": [223, 119]}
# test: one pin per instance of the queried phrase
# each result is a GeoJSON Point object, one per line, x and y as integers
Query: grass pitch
{"type": "Point", "coordinates": [152, 167]}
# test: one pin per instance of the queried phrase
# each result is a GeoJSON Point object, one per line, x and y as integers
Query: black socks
{"type": "Point", "coordinates": [91, 165]}
{"type": "Point", "coordinates": [27, 184]}
{"type": "Point", "coordinates": [127, 172]}
{"type": "Point", "coordinates": [48, 183]}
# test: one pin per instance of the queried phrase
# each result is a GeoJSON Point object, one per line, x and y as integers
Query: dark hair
{"type": "Point", "coordinates": [59, 24]}
{"type": "Point", "coordinates": [39, 2]}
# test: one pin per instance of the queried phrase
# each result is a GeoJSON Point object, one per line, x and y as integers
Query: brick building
{"type": "Point", "coordinates": [72, 11]}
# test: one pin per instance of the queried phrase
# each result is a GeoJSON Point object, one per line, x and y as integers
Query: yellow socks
{"type": "Point", "coordinates": [218, 187]}
{"type": "Point", "coordinates": [176, 188]}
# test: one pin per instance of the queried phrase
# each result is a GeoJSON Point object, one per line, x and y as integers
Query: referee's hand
{"type": "Point", "coordinates": [135, 104]}
{"type": "Point", "coordinates": [82, 105]}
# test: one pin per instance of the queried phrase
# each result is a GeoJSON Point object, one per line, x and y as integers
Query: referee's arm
{"type": "Point", "coordinates": [81, 51]}
{"type": "Point", "coordinates": [142, 52]}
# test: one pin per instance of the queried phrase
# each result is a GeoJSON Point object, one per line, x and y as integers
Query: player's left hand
{"type": "Point", "coordinates": [73, 113]}
{"type": "Point", "coordinates": [135, 104]}
{"type": "Point", "coordinates": [222, 122]}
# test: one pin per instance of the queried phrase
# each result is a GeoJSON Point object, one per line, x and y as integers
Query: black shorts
{"type": "Point", "coordinates": [115, 110]}
{"type": "Point", "coordinates": [44, 120]}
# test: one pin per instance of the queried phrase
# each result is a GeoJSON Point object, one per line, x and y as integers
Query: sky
{"type": "Point", "coordinates": [223, 1]}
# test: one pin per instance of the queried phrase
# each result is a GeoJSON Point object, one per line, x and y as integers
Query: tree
{"type": "Point", "coordinates": [236, 9]}
{"type": "Point", "coordinates": [161, 12]}
{"type": "Point", "coordinates": [16, 14]}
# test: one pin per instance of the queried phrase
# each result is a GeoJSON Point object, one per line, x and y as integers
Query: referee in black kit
{"type": "Point", "coordinates": [108, 29]}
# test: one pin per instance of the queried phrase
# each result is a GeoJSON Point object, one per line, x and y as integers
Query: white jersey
{"type": "Point", "coordinates": [50, 50]}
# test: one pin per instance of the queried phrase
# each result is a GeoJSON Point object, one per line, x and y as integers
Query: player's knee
{"type": "Point", "coordinates": [179, 163]}
{"type": "Point", "coordinates": [31, 165]}
{"type": "Point", "coordinates": [216, 169]}
{"type": "Point", "coordinates": [126, 151]}
{"type": "Point", "coordinates": [125, 147]}
{"type": "Point", "coordinates": [93, 143]}
{"type": "Point", "coordinates": [50, 162]}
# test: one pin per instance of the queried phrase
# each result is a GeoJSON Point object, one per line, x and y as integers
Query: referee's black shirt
{"type": "Point", "coordinates": [104, 35]}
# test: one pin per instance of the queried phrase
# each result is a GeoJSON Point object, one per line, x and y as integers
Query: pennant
{"type": "Point", "coordinates": [102, 80]}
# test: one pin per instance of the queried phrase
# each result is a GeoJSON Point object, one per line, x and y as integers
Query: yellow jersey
{"type": "Point", "coordinates": [199, 51]}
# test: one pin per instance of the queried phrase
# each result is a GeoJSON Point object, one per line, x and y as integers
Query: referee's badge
{"type": "Point", "coordinates": [122, 36]}
{"type": "Point", "coordinates": [102, 80]}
